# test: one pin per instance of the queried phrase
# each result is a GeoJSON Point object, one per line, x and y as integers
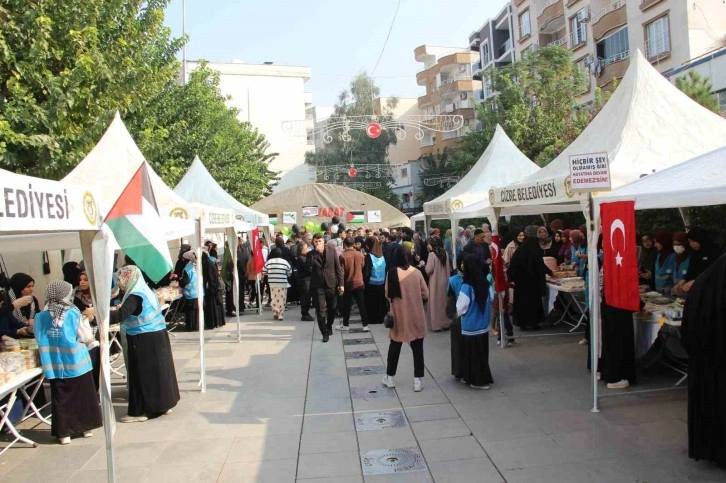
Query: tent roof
{"type": "Point", "coordinates": [698, 182]}
{"type": "Point", "coordinates": [198, 185]}
{"type": "Point", "coordinates": [501, 163]}
{"type": "Point", "coordinates": [648, 124]}
{"type": "Point", "coordinates": [336, 198]}
{"type": "Point", "coordinates": [111, 164]}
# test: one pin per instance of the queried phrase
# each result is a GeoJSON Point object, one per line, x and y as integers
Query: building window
{"type": "Point", "coordinates": [578, 31]}
{"type": "Point", "coordinates": [486, 55]}
{"type": "Point", "coordinates": [721, 98]}
{"type": "Point", "coordinates": [525, 28]}
{"type": "Point", "coordinates": [404, 172]}
{"type": "Point", "coordinates": [614, 48]}
{"type": "Point", "coordinates": [658, 40]}
{"type": "Point", "coordinates": [406, 197]}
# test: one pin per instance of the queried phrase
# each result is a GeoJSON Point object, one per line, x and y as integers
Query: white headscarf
{"type": "Point", "coordinates": [127, 278]}
{"type": "Point", "coordinates": [59, 300]}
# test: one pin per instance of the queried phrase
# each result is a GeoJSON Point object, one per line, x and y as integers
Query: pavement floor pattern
{"type": "Point", "coordinates": [281, 406]}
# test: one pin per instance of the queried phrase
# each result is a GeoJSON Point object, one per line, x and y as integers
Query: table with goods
{"type": "Point", "coordinates": [564, 280]}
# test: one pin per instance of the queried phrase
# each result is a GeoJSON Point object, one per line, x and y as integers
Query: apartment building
{"type": "Point", "coordinates": [494, 42]}
{"type": "Point", "coordinates": [268, 96]}
{"type": "Point", "coordinates": [602, 34]}
{"type": "Point", "coordinates": [450, 89]}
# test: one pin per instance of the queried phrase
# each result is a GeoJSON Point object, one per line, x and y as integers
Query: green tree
{"type": "Point", "coordinates": [67, 66]}
{"type": "Point", "coordinates": [193, 119]}
{"type": "Point", "coordinates": [698, 88]}
{"type": "Point", "coordinates": [535, 103]}
{"type": "Point", "coordinates": [435, 167]}
{"type": "Point", "coordinates": [360, 151]}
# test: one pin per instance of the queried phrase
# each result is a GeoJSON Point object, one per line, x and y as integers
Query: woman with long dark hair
{"type": "Point", "coordinates": [406, 290]}
{"type": "Point", "coordinates": [374, 276]}
{"type": "Point", "coordinates": [474, 308]}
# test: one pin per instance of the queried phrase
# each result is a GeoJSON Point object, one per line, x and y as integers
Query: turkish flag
{"type": "Point", "coordinates": [620, 255]}
{"type": "Point", "coordinates": [500, 282]}
{"type": "Point", "coordinates": [257, 250]}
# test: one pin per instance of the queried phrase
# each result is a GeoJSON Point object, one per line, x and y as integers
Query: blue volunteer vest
{"type": "Point", "coordinates": [150, 319]}
{"type": "Point", "coordinates": [476, 320]}
{"type": "Point", "coordinates": [378, 272]}
{"type": "Point", "coordinates": [62, 356]}
{"type": "Point", "coordinates": [190, 290]}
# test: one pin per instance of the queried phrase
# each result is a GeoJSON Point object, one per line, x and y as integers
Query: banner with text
{"type": "Point", "coordinates": [590, 172]}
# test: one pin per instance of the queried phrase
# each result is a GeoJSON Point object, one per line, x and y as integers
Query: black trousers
{"type": "Point", "coordinates": [325, 301]}
{"type": "Point", "coordinates": [394, 352]}
{"type": "Point", "coordinates": [229, 301]}
{"type": "Point", "coordinates": [359, 296]}
{"type": "Point", "coordinates": [255, 298]}
{"type": "Point", "coordinates": [305, 300]}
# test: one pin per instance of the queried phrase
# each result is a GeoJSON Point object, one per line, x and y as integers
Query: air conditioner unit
{"type": "Point", "coordinates": [462, 95]}
{"type": "Point", "coordinates": [583, 15]}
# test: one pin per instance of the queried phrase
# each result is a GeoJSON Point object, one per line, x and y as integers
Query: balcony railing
{"type": "Point", "coordinates": [561, 41]}
{"type": "Point", "coordinates": [504, 48]}
{"type": "Point", "coordinates": [615, 58]}
{"type": "Point", "coordinates": [658, 45]}
{"type": "Point", "coordinates": [428, 142]}
{"type": "Point", "coordinates": [610, 8]}
{"type": "Point", "coordinates": [578, 36]}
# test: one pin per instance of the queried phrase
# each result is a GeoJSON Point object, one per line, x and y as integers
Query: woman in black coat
{"type": "Point", "coordinates": [527, 273]}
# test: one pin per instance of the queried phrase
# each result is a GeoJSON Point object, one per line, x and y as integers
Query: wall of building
{"type": "Point", "coordinates": [706, 26]}
{"type": "Point", "coordinates": [268, 96]}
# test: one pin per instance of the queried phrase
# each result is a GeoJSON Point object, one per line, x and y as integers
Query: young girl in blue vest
{"type": "Point", "coordinates": [153, 388]}
{"type": "Point", "coordinates": [62, 335]}
{"type": "Point", "coordinates": [473, 306]}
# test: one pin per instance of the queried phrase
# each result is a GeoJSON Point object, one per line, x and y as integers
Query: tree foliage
{"type": "Point", "coordinates": [433, 166]}
{"type": "Point", "coordinates": [360, 150]}
{"type": "Point", "coordinates": [698, 88]}
{"type": "Point", "coordinates": [535, 103]}
{"type": "Point", "coordinates": [187, 120]}
{"type": "Point", "coordinates": [66, 67]}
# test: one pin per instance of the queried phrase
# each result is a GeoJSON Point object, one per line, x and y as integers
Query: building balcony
{"type": "Point", "coordinates": [504, 48]}
{"type": "Point", "coordinates": [474, 42]}
{"type": "Point", "coordinates": [612, 68]}
{"type": "Point", "coordinates": [426, 100]}
{"type": "Point", "coordinates": [561, 41]}
{"type": "Point", "coordinates": [646, 4]}
{"type": "Point", "coordinates": [458, 58]}
{"type": "Point", "coordinates": [424, 77]}
{"type": "Point", "coordinates": [658, 48]}
{"type": "Point", "coordinates": [465, 84]}
{"type": "Point", "coordinates": [608, 19]}
{"type": "Point", "coordinates": [578, 37]}
{"type": "Point", "coordinates": [549, 11]}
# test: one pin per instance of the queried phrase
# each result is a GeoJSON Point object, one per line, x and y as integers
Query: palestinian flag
{"type": "Point", "coordinates": [135, 222]}
{"type": "Point", "coordinates": [273, 219]}
{"type": "Point", "coordinates": [356, 217]}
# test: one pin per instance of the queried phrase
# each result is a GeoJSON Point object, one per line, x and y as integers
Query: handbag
{"type": "Point", "coordinates": [388, 321]}
{"type": "Point", "coordinates": [46, 264]}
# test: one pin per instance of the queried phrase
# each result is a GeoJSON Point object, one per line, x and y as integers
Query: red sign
{"type": "Point", "coordinates": [620, 255]}
{"type": "Point", "coordinates": [352, 172]}
{"type": "Point", "coordinates": [373, 130]}
{"type": "Point", "coordinates": [324, 212]}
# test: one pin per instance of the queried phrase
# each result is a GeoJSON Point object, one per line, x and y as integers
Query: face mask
{"type": "Point", "coordinates": [679, 249]}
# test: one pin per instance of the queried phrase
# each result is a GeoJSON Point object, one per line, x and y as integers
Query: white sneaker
{"type": "Point", "coordinates": [133, 419]}
{"type": "Point", "coordinates": [598, 376]}
{"type": "Point", "coordinates": [486, 386]}
{"type": "Point", "coordinates": [388, 381]}
{"type": "Point", "coordinates": [417, 384]}
{"type": "Point", "coordinates": [168, 411]}
{"type": "Point", "coordinates": [619, 385]}
{"type": "Point", "coordinates": [65, 440]}
{"type": "Point", "coordinates": [342, 327]}
{"type": "Point", "coordinates": [88, 434]}
{"type": "Point", "coordinates": [366, 329]}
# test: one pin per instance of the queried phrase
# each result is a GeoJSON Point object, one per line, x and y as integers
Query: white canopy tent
{"type": "Point", "coordinates": [647, 125]}
{"type": "Point", "coordinates": [199, 186]}
{"type": "Point", "coordinates": [54, 216]}
{"type": "Point", "coordinates": [419, 217]}
{"type": "Point", "coordinates": [698, 182]}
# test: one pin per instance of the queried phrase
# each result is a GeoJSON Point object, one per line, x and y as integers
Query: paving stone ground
{"type": "Point", "coordinates": [281, 406]}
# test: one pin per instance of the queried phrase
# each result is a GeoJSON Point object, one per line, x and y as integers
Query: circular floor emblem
{"type": "Point", "coordinates": [89, 208]}
{"type": "Point", "coordinates": [400, 460]}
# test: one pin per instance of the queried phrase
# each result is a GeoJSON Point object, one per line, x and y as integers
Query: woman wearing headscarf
{"type": "Point", "coordinates": [703, 334]}
{"type": "Point", "coordinates": [189, 283]}
{"type": "Point", "coordinates": [84, 303]}
{"type": "Point", "coordinates": [278, 271]}
{"type": "Point", "coordinates": [665, 262]}
{"type": "Point", "coordinates": [407, 292]}
{"type": "Point", "coordinates": [181, 262]}
{"type": "Point", "coordinates": [152, 384]}
{"type": "Point", "coordinates": [578, 251]}
{"type": "Point", "coordinates": [448, 245]}
{"type": "Point", "coordinates": [452, 295]}
{"type": "Point", "coordinates": [527, 273]}
{"type": "Point", "coordinates": [474, 308]}
{"type": "Point", "coordinates": [683, 258]}
{"type": "Point", "coordinates": [546, 243]}
{"type": "Point", "coordinates": [565, 252]}
{"type": "Point", "coordinates": [22, 285]}
{"type": "Point", "coordinates": [646, 260]}
{"type": "Point", "coordinates": [62, 335]}
{"type": "Point", "coordinates": [213, 306]}
{"type": "Point", "coordinates": [374, 277]}
{"type": "Point", "coordinates": [438, 269]}
{"type": "Point", "coordinates": [512, 246]}
{"type": "Point", "coordinates": [704, 252]}
{"type": "Point", "coordinates": [71, 271]}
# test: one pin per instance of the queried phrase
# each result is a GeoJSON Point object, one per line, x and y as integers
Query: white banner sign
{"type": "Point", "coordinates": [289, 217]}
{"type": "Point", "coordinates": [36, 204]}
{"type": "Point", "coordinates": [590, 172]}
{"type": "Point", "coordinates": [374, 216]}
{"type": "Point", "coordinates": [310, 211]}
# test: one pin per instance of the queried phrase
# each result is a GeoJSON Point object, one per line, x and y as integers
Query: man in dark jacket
{"type": "Point", "coordinates": [326, 278]}
{"type": "Point", "coordinates": [303, 277]}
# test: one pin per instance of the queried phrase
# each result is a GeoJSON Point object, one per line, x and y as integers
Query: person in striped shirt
{"type": "Point", "coordinates": [277, 270]}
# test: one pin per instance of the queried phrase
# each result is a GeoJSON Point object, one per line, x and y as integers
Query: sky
{"type": "Point", "coordinates": [337, 39]}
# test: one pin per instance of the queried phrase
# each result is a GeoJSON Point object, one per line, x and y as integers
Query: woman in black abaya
{"type": "Point", "coordinates": [527, 273]}
{"type": "Point", "coordinates": [704, 336]}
